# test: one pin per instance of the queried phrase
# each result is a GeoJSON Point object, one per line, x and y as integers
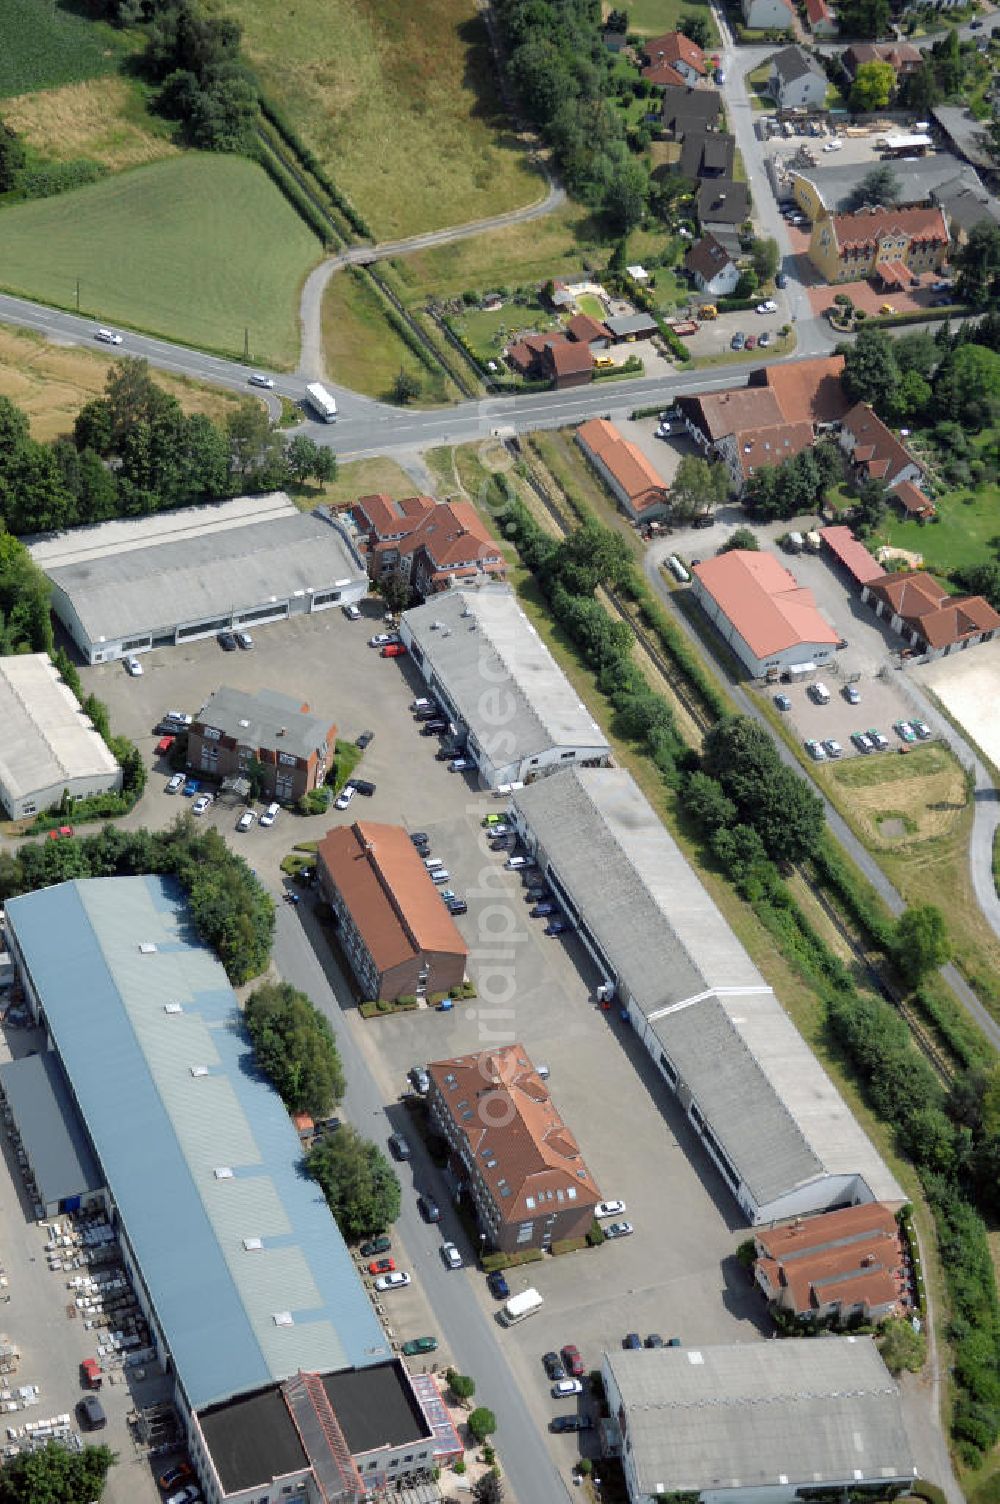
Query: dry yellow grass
{"type": "Point", "coordinates": [360, 478]}
{"type": "Point", "coordinates": [929, 806]}
{"type": "Point", "coordinates": [52, 382]}
{"type": "Point", "coordinates": [102, 119]}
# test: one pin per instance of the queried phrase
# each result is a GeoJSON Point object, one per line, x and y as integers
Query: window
{"type": "Point", "coordinates": [211, 734]}
{"type": "Point", "coordinates": [283, 786]}
{"type": "Point", "coordinates": [287, 759]}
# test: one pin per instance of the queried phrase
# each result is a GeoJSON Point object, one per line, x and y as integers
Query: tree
{"type": "Point", "coordinates": [920, 90]}
{"type": "Point", "coordinates": [25, 620]}
{"type": "Point", "coordinates": [747, 284]}
{"type": "Point", "coordinates": [461, 1385]}
{"type": "Point", "coordinates": [697, 29]}
{"type": "Point", "coordinates": [626, 195]}
{"type": "Point", "coordinates": [395, 590]}
{"type": "Point", "coordinates": [742, 538]}
{"type": "Point", "coordinates": [872, 87]}
{"type": "Point", "coordinates": [698, 486]}
{"type": "Point", "coordinates": [779, 804]}
{"type": "Point", "coordinates": [488, 1489]}
{"type": "Point", "coordinates": [481, 1423]}
{"type": "Point", "coordinates": [766, 258]}
{"type": "Point", "coordinates": [880, 185]}
{"type": "Point", "coordinates": [302, 455]}
{"type": "Point", "coordinates": [55, 1475]}
{"type": "Point", "coordinates": [921, 942]}
{"type": "Point", "coordinates": [978, 264]}
{"type": "Point", "coordinates": [967, 386]}
{"type": "Point", "coordinates": [901, 1347]}
{"type": "Point", "coordinates": [863, 18]}
{"type": "Point", "coordinates": [982, 579]}
{"type": "Point", "coordinates": [589, 556]}
{"type": "Point", "coordinates": [359, 1183]}
{"type": "Point", "coordinates": [406, 387]}
{"type": "Point", "coordinates": [12, 157]}
{"type": "Point", "coordinates": [870, 371]}
{"type": "Point", "coordinates": [707, 804]}
{"type": "Point", "coordinates": [296, 1048]}
{"type": "Point", "coordinates": [255, 444]}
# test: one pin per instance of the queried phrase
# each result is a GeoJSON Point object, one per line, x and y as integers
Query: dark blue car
{"type": "Point", "coordinates": [556, 927]}
{"type": "Point", "coordinates": [498, 1286]}
{"type": "Point", "coordinates": [543, 910]}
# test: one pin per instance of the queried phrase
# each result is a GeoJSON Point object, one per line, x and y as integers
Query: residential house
{"type": "Point", "coordinates": [689, 109]}
{"type": "Point", "coordinates": [397, 936]}
{"type": "Point", "coordinates": [822, 21]}
{"type": "Point", "coordinates": [903, 57]}
{"type": "Point", "coordinates": [911, 501]}
{"type": "Point", "coordinates": [431, 545]}
{"type": "Point", "coordinates": [267, 736]}
{"type": "Point", "coordinates": [712, 268]}
{"type": "Point", "coordinates": [796, 81]}
{"type": "Point", "coordinates": [552, 357]}
{"type": "Point", "coordinates": [839, 1264]}
{"type": "Point", "coordinates": [624, 469]}
{"type": "Point", "coordinates": [673, 60]}
{"type": "Point", "coordinates": [897, 246]}
{"type": "Point", "coordinates": [935, 623]}
{"type": "Point", "coordinates": [510, 1153]}
{"type": "Point", "coordinates": [722, 206]}
{"type": "Point", "coordinates": [707, 154]}
{"type": "Point", "coordinates": [874, 451]}
{"type": "Point", "coordinates": [769, 620]}
{"type": "Point", "coordinates": [768, 15]}
{"type": "Point", "coordinates": [966, 203]}
{"type": "Point", "coordinates": [589, 331]}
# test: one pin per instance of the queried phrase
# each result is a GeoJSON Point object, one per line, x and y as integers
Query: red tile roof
{"type": "Point", "coordinates": [852, 1256]}
{"type": "Point", "coordinates": [568, 357]}
{"type": "Point", "coordinates": [627, 463]}
{"type": "Point", "coordinates": [808, 389]}
{"type": "Point", "coordinates": [764, 602]}
{"type": "Point", "coordinates": [397, 909]}
{"type": "Point", "coordinates": [865, 229]}
{"type": "Point", "coordinates": [583, 328]}
{"type": "Point", "coordinates": [769, 446]}
{"type": "Point", "coordinates": [925, 606]}
{"type": "Point", "coordinates": [817, 11]}
{"type": "Point", "coordinates": [910, 593]}
{"type": "Point", "coordinates": [674, 47]}
{"type": "Point", "coordinates": [875, 446]}
{"type": "Point", "coordinates": [807, 1235]}
{"type": "Point", "coordinates": [664, 76]}
{"type": "Point", "coordinates": [386, 516]}
{"type": "Point", "coordinates": [852, 554]}
{"type": "Point", "coordinates": [452, 532]}
{"type": "Point", "coordinates": [521, 1146]}
{"type": "Point", "coordinates": [958, 620]}
{"type": "Point", "coordinates": [739, 410]}
{"type": "Point", "coordinates": [913, 500]}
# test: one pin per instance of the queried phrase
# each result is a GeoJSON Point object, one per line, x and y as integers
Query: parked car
{"type": "Point", "coordinates": [450, 1256]}
{"type": "Point", "coordinates": [781, 280]}
{"type": "Point", "coordinates": [834, 144]}
{"type": "Point", "coordinates": [419, 837]}
{"type": "Point", "coordinates": [164, 745]}
{"type": "Point", "coordinates": [862, 742]}
{"type": "Point", "coordinates": [420, 1079]}
{"type": "Point", "coordinates": [133, 667]}
{"type": "Point", "coordinates": [764, 340]}
{"type": "Point", "coordinates": [459, 764]}
{"type": "Point", "coordinates": [270, 814]}
{"type": "Point", "coordinates": [457, 906]}
{"type": "Point", "coordinates": [445, 754]}
{"type": "Point", "coordinates": [186, 1495]}
{"type": "Point", "coordinates": [557, 927]}
{"type": "Point", "coordinates": [175, 1475]}
{"type": "Point", "coordinates": [563, 1388]}
{"type": "Point", "coordinates": [365, 739]}
{"type": "Point", "coordinates": [852, 694]}
{"type": "Point", "coordinates": [605, 1209]}
{"type": "Point", "coordinates": [619, 1230]}
{"type": "Point", "coordinates": [816, 750]}
{"type": "Point", "coordinates": [201, 804]}
{"type": "Point", "coordinates": [352, 613]}
{"type": "Point", "coordinates": [434, 727]}
{"type": "Point", "coordinates": [738, 341]}
{"type": "Point", "coordinates": [246, 820]}
{"type": "Point", "coordinates": [543, 910]}
{"type": "Point", "coordinates": [751, 343]}
{"type": "Point", "coordinates": [91, 1413]}
{"type": "Point", "coordinates": [256, 379]}
{"type": "Point", "coordinates": [655, 1340]}
{"type": "Point", "coordinates": [782, 702]}
{"type": "Point", "coordinates": [244, 641]}
{"type": "Point", "coordinates": [175, 784]}
{"type": "Point", "coordinates": [440, 875]}
{"type": "Point", "coordinates": [174, 721]}
{"type": "Point", "coordinates": [881, 742]}
{"type": "Point", "coordinates": [345, 796]}
{"type": "Point", "coordinates": [422, 703]}
{"type": "Point", "coordinates": [497, 1285]}
{"type": "Point", "coordinates": [571, 1423]}
{"type": "Point", "coordinates": [393, 650]}
{"type": "Point", "coordinates": [382, 1266]}
{"type": "Point", "coordinates": [904, 731]}
{"type": "Point", "coordinates": [380, 639]}
{"type": "Point", "coordinates": [191, 787]}
{"type": "Point", "coordinates": [428, 1208]}
{"type": "Point", "coordinates": [519, 863]}
{"type": "Point", "coordinates": [832, 747]}
{"type": "Point", "coordinates": [553, 1365]}
{"type": "Point", "coordinates": [227, 642]}
{"type": "Point", "coordinates": [489, 820]}
{"type": "Point", "coordinates": [768, 306]}
{"type": "Point", "coordinates": [631, 1340]}
{"type": "Point", "coordinates": [380, 1244]}
{"type": "Point", "coordinates": [108, 337]}
{"type": "Point", "coordinates": [818, 693]}
{"type": "Point", "coordinates": [572, 1362]}
{"type": "Point", "coordinates": [418, 1345]}
{"type": "Point", "coordinates": [922, 729]}
{"type": "Point", "coordinates": [397, 1281]}
{"type": "Point", "coordinates": [363, 786]}
{"type": "Point", "coordinates": [399, 1147]}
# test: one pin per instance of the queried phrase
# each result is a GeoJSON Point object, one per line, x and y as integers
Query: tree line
{"type": "Point", "coordinates": [134, 451]}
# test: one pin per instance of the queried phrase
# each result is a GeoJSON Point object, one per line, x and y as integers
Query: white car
{"type": "Point", "coordinates": [518, 863]}
{"type": "Point", "coordinates": [108, 337]}
{"type": "Point", "coordinates": [459, 764]}
{"type": "Point", "coordinates": [834, 144]}
{"type": "Point", "coordinates": [352, 613]}
{"type": "Point", "coordinates": [201, 804]}
{"type": "Point", "coordinates": [175, 784]}
{"type": "Point", "coordinates": [565, 1387]}
{"type": "Point", "coordinates": [619, 1230]}
{"type": "Point", "coordinates": [345, 796]}
{"type": "Point", "coordinates": [451, 1256]}
{"type": "Point", "coordinates": [257, 380]}
{"type": "Point", "coordinates": [246, 820]}
{"type": "Point", "coordinates": [380, 639]}
{"type": "Point", "coordinates": [770, 306]}
{"type": "Point", "coordinates": [270, 814]}
{"type": "Point", "coordinates": [395, 1281]}
{"type": "Point", "coordinates": [244, 640]}
{"type": "Point", "coordinates": [609, 1209]}
{"type": "Point", "coordinates": [186, 1495]}
{"type": "Point", "coordinates": [133, 667]}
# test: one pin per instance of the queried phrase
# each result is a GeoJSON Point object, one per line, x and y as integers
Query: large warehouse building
{"type": "Point", "coordinates": [123, 587]}
{"type": "Point", "coordinates": [253, 1302]}
{"type": "Point", "coordinates": [758, 1422]}
{"type": "Point", "coordinates": [48, 746]}
{"type": "Point", "coordinates": [769, 620]}
{"type": "Point", "coordinates": [780, 1134]}
{"type": "Point", "coordinates": [500, 686]}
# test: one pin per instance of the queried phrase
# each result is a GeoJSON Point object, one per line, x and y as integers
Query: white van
{"type": "Point", "coordinates": [520, 1307]}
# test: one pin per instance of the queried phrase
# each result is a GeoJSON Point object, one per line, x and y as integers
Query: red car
{"type": "Point", "coordinates": [64, 830]}
{"type": "Point", "coordinates": [175, 1475]}
{"type": "Point", "coordinates": [751, 343]}
{"type": "Point", "coordinates": [394, 650]}
{"type": "Point", "coordinates": [382, 1266]}
{"type": "Point", "coordinates": [164, 744]}
{"type": "Point", "coordinates": [572, 1362]}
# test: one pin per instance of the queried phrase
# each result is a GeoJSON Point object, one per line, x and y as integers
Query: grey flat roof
{"type": "Point", "coordinates": [967, 134]}
{"type": "Point", "coordinates": [919, 179]}
{"type": "Point", "coordinates": [485, 650]}
{"type": "Point", "coordinates": [190, 565]}
{"type": "Point", "coordinates": [776, 1113]}
{"type": "Point", "coordinates": [50, 1128]}
{"type": "Point", "coordinates": [183, 1085]}
{"type": "Point", "coordinates": [45, 738]}
{"type": "Point", "coordinates": [802, 1411]}
{"type": "Point", "coordinates": [630, 323]}
{"type": "Point", "coordinates": [266, 719]}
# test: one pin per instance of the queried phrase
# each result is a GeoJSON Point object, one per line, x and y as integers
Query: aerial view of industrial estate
{"type": "Point", "coordinates": [499, 751]}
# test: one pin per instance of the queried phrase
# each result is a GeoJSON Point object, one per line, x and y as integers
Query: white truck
{"type": "Point", "coordinates": [520, 1307]}
{"type": "Point", "coordinates": [322, 402]}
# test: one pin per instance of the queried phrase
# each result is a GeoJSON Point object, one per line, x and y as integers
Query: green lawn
{"type": "Point", "coordinates": [489, 332]}
{"type": "Point", "coordinates": [360, 346]}
{"type": "Point", "coordinates": [197, 248]}
{"type": "Point", "coordinates": [653, 17]}
{"type": "Point", "coordinates": [43, 44]}
{"type": "Point", "coordinates": [969, 522]}
{"type": "Point", "coordinates": [399, 103]}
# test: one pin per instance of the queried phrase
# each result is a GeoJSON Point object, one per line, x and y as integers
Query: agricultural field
{"type": "Point", "coordinates": [52, 382]}
{"type": "Point", "coordinates": [398, 102]}
{"type": "Point", "coordinates": [104, 119]}
{"type": "Point", "coordinates": [43, 45]}
{"type": "Point", "coordinates": [196, 248]}
{"type": "Point", "coordinates": [362, 349]}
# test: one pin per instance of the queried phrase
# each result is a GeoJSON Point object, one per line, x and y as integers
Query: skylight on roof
{"type": "Point", "coordinates": [283, 1318]}
{"type": "Point", "coordinates": [223, 1173]}
{"type": "Point", "coordinates": [253, 1245]}
{"type": "Point", "coordinates": [172, 1008]}
{"type": "Point", "coordinates": [147, 948]}
{"type": "Point", "coordinates": [199, 1070]}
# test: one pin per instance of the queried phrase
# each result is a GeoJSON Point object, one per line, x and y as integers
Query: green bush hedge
{"type": "Point", "coordinates": [385, 1005]}
{"type": "Point", "coordinates": [569, 1245]}
{"type": "Point", "coordinates": [50, 178]}
{"type": "Point", "coordinates": [286, 130]}
{"type": "Point", "coordinates": [499, 1260]}
{"type": "Point", "coordinates": [300, 201]}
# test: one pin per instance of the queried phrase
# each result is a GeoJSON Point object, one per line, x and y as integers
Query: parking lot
{"type": "Point", "coordinates": [881, 704]}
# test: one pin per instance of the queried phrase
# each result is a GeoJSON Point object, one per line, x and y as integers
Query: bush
{"type": "Point", "coordinates": [461, 1385]}
{"type": "Point", "coordinates": [481, 1423]}
{"type": "Point", "coordinates": [295, 1048]}
{"type": "Point", "coordinates": [596, 1236]}
{"type": "Point", "coordinates": [50, 178]}
{"type": "Point", "coordinates": [500, 1260]}
{"type": "Point", "coordinates": [569, 1245]}
{"type": "Point", "coordinates": [360, 1185]}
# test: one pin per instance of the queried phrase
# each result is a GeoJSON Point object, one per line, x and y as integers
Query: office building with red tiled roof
{"type": "Point", "coordinates": [841, 1263]}
{"type": "Point", "coordinates": [624, 469]}
{"type": "Point", "coordinates": [874, 450]}
{"type": "Point", "coordinates": [431, 545]}
{"type": "Point", "coordinates": [895, 245]}
{"type": "Point", "coordinates": [397, 936]}
{"type": "Point", "coordinates": [935, 623]}
{"type": "Point", "coordinates": [768, 619]}
{"type": "Point", "coordinates": [510, 1151]}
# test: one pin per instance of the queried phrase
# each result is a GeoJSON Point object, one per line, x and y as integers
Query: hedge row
{"type": "Point", "coordinates": [291, 138]}
{"type": "Point", "coordinates": [675, 644]}
{"type": "Point", "coordinates": [500, 1260]}
{"type": "Point", "coordinates": [46, 180]}
{"type": "Point", "coordinates": [412, 341]}
{"type": "Point", "coordinates": [858, 899]}
{"type": "Point", "coordinates": [295, 194]}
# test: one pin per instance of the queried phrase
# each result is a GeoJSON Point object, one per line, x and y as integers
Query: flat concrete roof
{"type": "Point", "coordinates": [252, 1440]}
{"type": "Point", "coordinates": [45, 737]}
{"type": "Point", "coordinates": [53, 1136]}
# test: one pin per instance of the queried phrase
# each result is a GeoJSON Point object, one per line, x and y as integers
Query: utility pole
{"type": "Point", "coordinates": [78, 294]}
{"type": "Point", "coordinates": [246, 344]}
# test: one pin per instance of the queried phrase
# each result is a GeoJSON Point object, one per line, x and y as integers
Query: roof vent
{"type": "Point", "coordinates": [147, 948]}
{"type": "Point", "coordinates": [695, 1358]}
{"type": "Point", "coordinates": [283, 1318]}
{"type": "Point", "coordinates": [223, 1172]}
{"type": "Point", "coordinates": [254, 1245]}
{"type": "Point", "coordinates": [281, 730]}
{"type": "Point", "coordinates": [244, 723]}
{"type": "Point", "coordinates": [172, 1008]}
{"type": "Point", "coordinates": [199, 1070]}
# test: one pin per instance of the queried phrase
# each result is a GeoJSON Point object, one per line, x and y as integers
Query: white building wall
{"type": "Point", "coordinates": [18, 806]}
{"type": "Point", "coordinates": [802, 652]}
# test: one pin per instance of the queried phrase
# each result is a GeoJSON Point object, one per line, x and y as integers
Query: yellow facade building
{"type": "Point", "coordinates": [895, 245]}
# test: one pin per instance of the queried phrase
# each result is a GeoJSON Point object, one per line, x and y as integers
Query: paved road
{"type": "Point", "coordinates": [476, 1344]}
{"type": "Point", "coordinates": [841, 830]}
{"type": "Point", "coordinates": [311, 365]}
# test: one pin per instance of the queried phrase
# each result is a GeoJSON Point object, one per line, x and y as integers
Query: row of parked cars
{"type": "Point", "coordinates": [433, 721]}
{"type": "Point", "coordinates": [438, 874]}
{"type": "Point", "coordinates": [538, 895]}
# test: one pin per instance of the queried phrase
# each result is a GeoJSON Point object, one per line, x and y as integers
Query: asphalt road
{"type": "Point", "coordinates": [477, 1346]}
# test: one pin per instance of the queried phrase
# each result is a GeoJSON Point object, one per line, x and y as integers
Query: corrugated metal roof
{"type": "Point", "coordinates": [45, 737]}
{"type": "Point", "coordinates": [161, 1132]}
{"type": "Point", "coordinates": [49, 1128]}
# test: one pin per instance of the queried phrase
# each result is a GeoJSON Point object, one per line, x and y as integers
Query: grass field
{"type": "Point", "coordinates": [43, 44]}
{"type": "Point", "coordinates": [488, 333]}
{"type": "Point", "coordinates": [653, 17]}
{"type": "Point", "coordinates": [399, 103]}
{"type": "Point", "coordinates": [969, 521]}
{"type": "Point", "coordinates": [104, 119]}
{"type": "Point", "coordinates": [196, 248]}
{"type": "Point", "coordinates": [362, 349]}
{"type": "Point", "coordinates": [360, 478]}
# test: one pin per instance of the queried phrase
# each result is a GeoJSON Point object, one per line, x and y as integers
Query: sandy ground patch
{"type": "Point", "coordinates": [968, 685]}
{"type": "Point", "coordinates": [100, 119]}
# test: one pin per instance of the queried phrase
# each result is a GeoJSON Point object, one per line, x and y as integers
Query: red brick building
{"type": "Point", "coordinates": [397, 935]}
{"type": "Point", "coordinates": [553, 357]}
{"type": "Point", "coordinates": [510, 1151]}
{"type": "Point", "coordinates": [237, 730]}
{"type": "Point", "coordinates": [429, 544]}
